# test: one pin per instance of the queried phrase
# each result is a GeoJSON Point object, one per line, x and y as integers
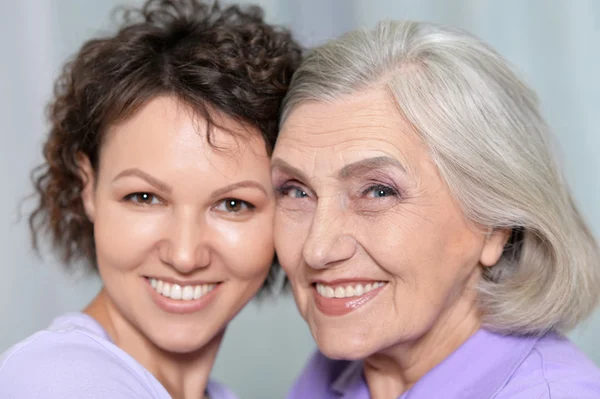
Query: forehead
{"type": "Point", "coordinates": [166, 133]}
{"type": "Point", "coordinates": [361, 125]}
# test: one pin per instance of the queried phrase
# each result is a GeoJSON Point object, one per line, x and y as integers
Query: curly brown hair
{"type": "Point", "coordinates": [211, 57]}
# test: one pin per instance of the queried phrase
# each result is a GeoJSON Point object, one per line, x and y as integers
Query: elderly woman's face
{"type": "Point", "coordinates": [377, 251]}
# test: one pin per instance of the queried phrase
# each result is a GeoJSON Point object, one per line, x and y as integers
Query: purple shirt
{"type": "Point", "coordinates": [75, 358]}
{"type": "Point", "coordinates": [487, 366]}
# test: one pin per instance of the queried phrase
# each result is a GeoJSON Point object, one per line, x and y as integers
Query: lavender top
{"type": "Point", "coordinates": [487, 366]}
{"type": "Point", "coordinates": [75, 358]}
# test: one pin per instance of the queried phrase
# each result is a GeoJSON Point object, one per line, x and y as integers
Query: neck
{"type": "Point", "coordinates": [184, 375]}
{"type": "Point", "coordinates": [392, 372]}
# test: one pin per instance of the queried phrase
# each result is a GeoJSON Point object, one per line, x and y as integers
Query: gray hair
{"type": "Point", "coordinates": [484, 131]}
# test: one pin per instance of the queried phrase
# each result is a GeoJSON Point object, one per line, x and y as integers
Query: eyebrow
{"type": "Point", "coordinates": [161, 186]}
{"type": "Point", "coordinates": [164, 187]}
{"type": "Point", "coordinates": [356, 168]}
{"type": "Point", "coordinates": [366, 165]}
{"type": "Point", "coordinates": [280, 164]}
{"type": "Point", "coordinates": [242, 184]}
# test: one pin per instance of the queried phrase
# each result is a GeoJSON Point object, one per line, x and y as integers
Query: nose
{"type": "Point", "coordinates": [185, 247]}
{"type": "Point", "coordinates": [328, 242]}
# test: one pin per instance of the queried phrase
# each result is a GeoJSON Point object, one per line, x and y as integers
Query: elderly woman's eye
{"type": "Point", "coordinates": [143, 198]}
{"type": "Point", "coordinates": [291, 191]}
{"type": "Point", "coordinates": [380, 191]}
{"type": "Point", "coordinates": [234, 205]}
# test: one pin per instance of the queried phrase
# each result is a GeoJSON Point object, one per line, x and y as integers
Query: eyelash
{"type": "Point", "coordinates": [132, 198]}
{"type": "Point", "coordinates": [387, 190]}
{"type": "Point", "coordinates": [249, 206]}
{"type": "Point", "coordinates": [285, 189]}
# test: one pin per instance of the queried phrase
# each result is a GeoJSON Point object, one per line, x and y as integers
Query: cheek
{"type": "Point", "coordinates": [430, 254]}
{"type": "Point", "coordinates": [247, 248]}
{"type": "Point", "coordinates": [124, 238]}
{"type": "Point", "coordinates": [397, 241]}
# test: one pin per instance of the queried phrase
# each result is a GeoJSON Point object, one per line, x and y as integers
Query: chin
{"type": "Point", "coordinates": [340, 346]}
{"type": "Point", "coordinates": [185, 343]}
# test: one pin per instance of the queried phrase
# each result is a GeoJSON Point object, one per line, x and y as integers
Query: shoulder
{"type": "Point", "coordinates": [554, 369]}
{"type": "Point", "coordinates": [216, 390]}
{"type": "Point", "coordinates": [319, 377]}
{"type": "Point", "coordinates": [69, 363]}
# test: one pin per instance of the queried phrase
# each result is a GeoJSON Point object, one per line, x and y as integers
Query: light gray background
{"type": "Point", "coordinates": [553, 43]}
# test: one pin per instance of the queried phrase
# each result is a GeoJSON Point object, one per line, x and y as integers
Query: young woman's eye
{"type": "Point", "coordinates": [380, 191]}
{"type": "Point", "coordinates": [292, 192]}
{"type": "Point", "coordinates": [143, 198]}
{"type": "Point", "coordinates": [234, 205]}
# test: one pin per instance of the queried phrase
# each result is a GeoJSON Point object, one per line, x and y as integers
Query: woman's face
{"type": "Point", "coordinates": [377, 251]}
{"type": "Point", "coordinates": [183, 231]}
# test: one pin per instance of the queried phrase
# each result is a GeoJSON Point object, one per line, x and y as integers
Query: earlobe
{"type": "Point", "coordinates": [494, 245]}
{"type": "Point", "coordinates": [86, 173]}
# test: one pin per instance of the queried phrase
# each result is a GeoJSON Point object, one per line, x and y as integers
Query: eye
{"type": "Point", "coordinates": [234, 205]}
{"type": "Point", "coordinates": [380, 191]}
{"type": "Point", "coordinates": [143, 198]}
{"type": "Point", "coordinates": [292, 192]}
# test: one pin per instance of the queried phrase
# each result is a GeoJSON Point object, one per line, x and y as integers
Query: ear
{"type": "Point", "coordinates": [86, 173]}
{"type": "Point", "coordinates": [495, 242]}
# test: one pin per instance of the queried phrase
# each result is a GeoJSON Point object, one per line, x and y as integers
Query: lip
{"type": "Point", "coordinates": [179, 306]}
{"type": "Point", "coordinates": [181, 282]}
{"type": "Point", "coordinates": [342, 306]}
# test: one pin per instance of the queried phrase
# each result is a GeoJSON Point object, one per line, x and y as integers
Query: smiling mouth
{"type": "Point", "coordinates": [181, 292]}
{"type": "Point", "coordinates": [343, 298]}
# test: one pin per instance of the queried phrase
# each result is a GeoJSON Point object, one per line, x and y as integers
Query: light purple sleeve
{"type": "Point", "coordinates": [69, 365]}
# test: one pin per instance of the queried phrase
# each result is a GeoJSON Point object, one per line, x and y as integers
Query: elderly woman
{"type": "Point", "coordinates": [431, 243]}
{"type": "Point", "coordinates": [157, 175]}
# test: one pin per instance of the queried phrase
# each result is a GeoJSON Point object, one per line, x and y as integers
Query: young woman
{"type": "Point", "coordinates": [157, 175]}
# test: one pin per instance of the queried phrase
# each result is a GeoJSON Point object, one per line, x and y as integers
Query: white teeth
{"type": "Point", "coordinates": [181, 293]}
{"type": "Point", "coordinates": [359, 290]}
{"type": "Point", "coordinates": [348, 291]}
{"type": "Point", "coordinates": [175, 291]}
{"type": "Point", "coordinates": [188, 293]}
{"type": "Point", "coordinates": [328, 292]}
